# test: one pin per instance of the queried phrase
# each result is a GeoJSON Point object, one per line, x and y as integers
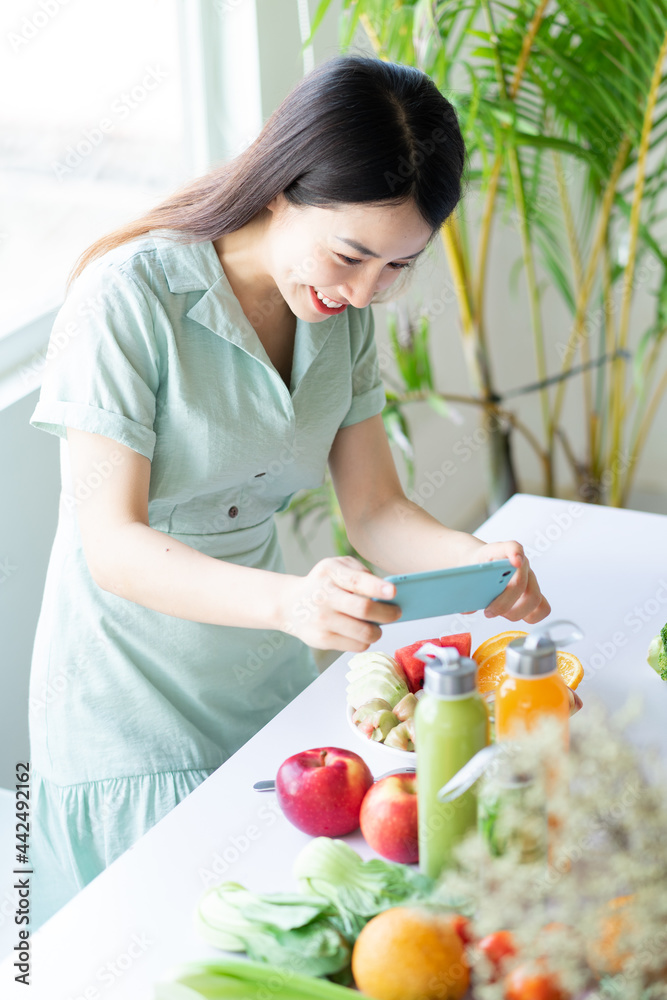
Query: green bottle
{"type": "Point", "coordinates": [451, 726]}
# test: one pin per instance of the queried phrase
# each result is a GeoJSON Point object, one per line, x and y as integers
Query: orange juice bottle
{"type": "Point", "coordinates": [533, 688]}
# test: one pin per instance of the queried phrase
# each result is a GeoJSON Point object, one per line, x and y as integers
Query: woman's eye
{"type": "Point", "coordinates": [396, 266]}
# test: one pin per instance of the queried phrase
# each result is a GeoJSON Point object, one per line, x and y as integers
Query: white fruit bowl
{"type": "Point", "coordinates": [407, 756]}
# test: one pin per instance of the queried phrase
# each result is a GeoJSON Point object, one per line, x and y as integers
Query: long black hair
{"type": "Point", "coordinates": [353, 130]}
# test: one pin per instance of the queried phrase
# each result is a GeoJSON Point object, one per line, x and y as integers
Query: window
{"type": "Point", "coordinates": [92, 135]}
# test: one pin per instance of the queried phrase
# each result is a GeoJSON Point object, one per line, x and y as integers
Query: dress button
{"type": "Point", "coordinates": [233, 511]}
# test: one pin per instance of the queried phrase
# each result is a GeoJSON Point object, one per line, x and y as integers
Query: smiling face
{"type": "Point", "coordinates": [324, 259]}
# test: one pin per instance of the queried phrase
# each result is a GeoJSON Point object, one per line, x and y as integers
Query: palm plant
{"type": "Point", "coordinates": [563, 107]}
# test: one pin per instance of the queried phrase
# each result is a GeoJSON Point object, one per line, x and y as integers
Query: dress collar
{"type": "Point", "coordinates": [190, 267]}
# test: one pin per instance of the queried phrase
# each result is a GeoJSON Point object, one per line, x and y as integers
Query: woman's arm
{"type": "Point", "coordinates": [398, 536]}
{"type": "Point", "coordinates": [330, 608]}
{"type": "Point", "coordinates": [127, 557]}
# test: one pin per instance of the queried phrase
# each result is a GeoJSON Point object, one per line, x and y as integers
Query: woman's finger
{"type": "Point", "coordinates": [513, 592]}
{"type": "Point", "coordinates": [575, 702]}
{"type": "Point", "coordinates": [364, 608]}
{"type": "Point", "coordinates": [362, 581]}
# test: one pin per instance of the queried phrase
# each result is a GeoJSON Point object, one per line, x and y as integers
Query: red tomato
{"type": "Point", "coordinates": [536, 983]}
{"type": "Point", "coordinates": [461, 925]}
{"type": "Point", "coordinates": [497, 947]}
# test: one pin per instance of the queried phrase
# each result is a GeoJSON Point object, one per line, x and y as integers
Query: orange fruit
{"type": "Point", "coordinates": [490, 657]}
{"type": "Point", "coordinates": [570, 668]}
{"type": "Point", "coordinates": [495, 644]}
{"type": "Point", "coordinates": [491, 672]}
{"type": "Point", "coordinates": [410, 953]}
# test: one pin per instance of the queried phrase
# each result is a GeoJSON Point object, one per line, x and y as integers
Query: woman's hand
{"type": "Point", "coordinates": [332, 607]}
{"type": "Point", "coordinates": [575, 702]}
{"type": "Point", "coordinates": [521, 599]}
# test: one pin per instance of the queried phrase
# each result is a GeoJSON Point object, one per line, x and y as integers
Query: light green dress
{"type": "Point", "coordinates": [131, 709]}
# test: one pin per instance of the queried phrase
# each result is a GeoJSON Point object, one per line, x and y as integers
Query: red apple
{"type": "Point", "coordinates": [388, 818]}
{"type": "Point", "coordinates": [320, 791]}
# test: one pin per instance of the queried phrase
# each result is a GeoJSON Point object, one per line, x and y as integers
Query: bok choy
{"type": "Point", "coordinates": [239, 980]}
{"type": "Point", "coordinates": [332, 871]}
{"type": "Point", "coordinates": [287, 931]}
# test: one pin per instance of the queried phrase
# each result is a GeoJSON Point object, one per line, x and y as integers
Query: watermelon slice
{"type": "Point", "coordinates": [413, 668]}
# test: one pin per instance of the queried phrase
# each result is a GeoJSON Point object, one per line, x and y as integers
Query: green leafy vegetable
{"type": "Point", "coordinates": [240, 980]}
{"type": "Point", "coordinates": [280, 929]}
{"type": "Point", "coordinates": [358, 889]}
{"type": "Point", "coordinates": [657, 653]}
{"type": "Point", "coordinates": [314, 932]}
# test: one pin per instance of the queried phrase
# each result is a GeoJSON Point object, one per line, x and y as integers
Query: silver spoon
{"type": "Point", "coordinates": [270, 784]}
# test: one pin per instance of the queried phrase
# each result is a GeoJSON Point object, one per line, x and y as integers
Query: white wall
{"type": "Point", "coordinates": [28, 515]}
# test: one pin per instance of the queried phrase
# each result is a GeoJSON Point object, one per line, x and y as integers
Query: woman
{"type": "Point", "coordinates": [209, 360]}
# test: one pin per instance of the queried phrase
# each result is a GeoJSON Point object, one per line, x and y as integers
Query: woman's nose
{"type": "Point", "coordinates": [360, 291]}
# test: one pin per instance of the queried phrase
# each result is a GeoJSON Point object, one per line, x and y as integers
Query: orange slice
{"type": "Point", "coordinates": [491, 673]}
{"type": "Point", "coordinates": [570, 668]}
{"type": "Point", "coordinates": [495, 644]}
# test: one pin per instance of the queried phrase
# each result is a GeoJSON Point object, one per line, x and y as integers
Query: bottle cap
{"type": "Point", "coordinates": [536, 654]}
{"type": "Point", "coordinates": [447, 674]}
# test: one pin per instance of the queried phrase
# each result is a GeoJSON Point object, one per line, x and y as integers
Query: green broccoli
{"type": "Point", "coordinates": [657, 653]}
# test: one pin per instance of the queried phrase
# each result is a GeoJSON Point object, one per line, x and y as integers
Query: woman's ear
{"type": "Point", "coordinates": [277, 204]}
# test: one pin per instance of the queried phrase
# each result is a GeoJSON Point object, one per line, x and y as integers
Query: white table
{"type": "Point", "coordinates": [605, 569]}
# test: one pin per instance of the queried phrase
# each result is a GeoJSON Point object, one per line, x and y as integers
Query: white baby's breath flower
{"type": "Point", "coordinates": [607, 806]}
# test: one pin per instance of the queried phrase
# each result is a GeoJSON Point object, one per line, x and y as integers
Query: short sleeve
{"type": "Point", "coordinates": [102, 364]}
{"type": "Point", "coordinates": [368, 395]}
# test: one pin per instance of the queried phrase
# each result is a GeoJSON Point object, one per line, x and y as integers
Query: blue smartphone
{"type": "Point", "coordinates": [450, 591]}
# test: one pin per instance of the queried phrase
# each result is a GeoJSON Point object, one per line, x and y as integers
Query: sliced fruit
{"type": "Point", "coordinates": [491, 672]}
{"type": "Point", "coordinates": [570, 668]}
{"type": "Point", "coordinates": [413, 668]}
{"type": "Point", "coordinates": [490, 657]}
{"type": "Point", "coordinates": [373, 674]}
{"type": "Point", "coordinates": [400, 737]}
{"type": "Point", "coordinates": [405, 708]}
{"type": "Point", "coordinates": [495, 644]}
